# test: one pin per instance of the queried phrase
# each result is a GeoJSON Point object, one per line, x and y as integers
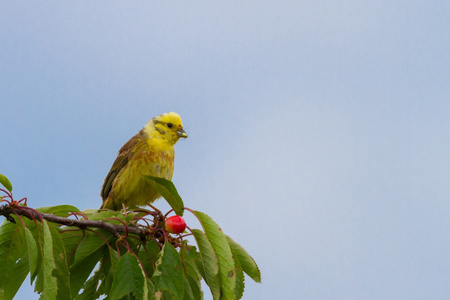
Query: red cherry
{"type": "Point", "coordinates": [175, 224]}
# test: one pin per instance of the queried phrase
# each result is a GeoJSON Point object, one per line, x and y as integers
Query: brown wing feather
{"type": "Point", "coordinates": [122, 159]}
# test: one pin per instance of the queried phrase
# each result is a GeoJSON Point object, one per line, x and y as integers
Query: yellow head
{"type": "Point", "coordinates": [167, 126]}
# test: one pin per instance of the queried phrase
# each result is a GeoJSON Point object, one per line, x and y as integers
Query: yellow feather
{"type": "Point", "coordinates": [150, 152]}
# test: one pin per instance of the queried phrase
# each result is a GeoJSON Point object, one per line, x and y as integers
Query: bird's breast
{"type": "Point", "coordinates": [157, 163]}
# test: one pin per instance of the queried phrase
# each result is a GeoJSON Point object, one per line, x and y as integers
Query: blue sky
{"type": "Point", "coordinates": [318, 130]}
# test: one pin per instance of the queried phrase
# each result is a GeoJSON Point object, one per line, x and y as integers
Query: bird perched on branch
{"type": "Point", "coordinates": [150, 152]}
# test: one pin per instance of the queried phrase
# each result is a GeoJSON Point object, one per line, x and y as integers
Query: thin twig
{"type": "Point", "coordinates": [6, 211]}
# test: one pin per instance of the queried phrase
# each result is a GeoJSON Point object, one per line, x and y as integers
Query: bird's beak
{"type": "Point", "coordinates": [182, 133]}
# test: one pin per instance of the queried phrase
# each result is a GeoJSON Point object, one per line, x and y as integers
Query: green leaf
{"type": "Point", "coordinates": [52, 279]}
{"type": "Point", "coordinates": [13, 258]}
{"type": "Point", "coordinates": [37, 231]}
{"type": "Point", "coordinates": [6, 183]}
{"type": "Point", "coordinates": [150, 288]}
{"type": "Point", "coordinates": [92, 242]}
{"type": "Point", "coordinates": [240, 278]}
{"type": "Point", "coordinates": [52, 276]}
{"type": "Point", "coordinates": [148, 255]}
{"type": "Point", "coordinates": [247, 262]}
{"type": "Point", "coordinates": [58, 210]}
{"type": "Point", "coordinates": [108, 267]}
{"type": "Point", "coordinates": [195, 287]}
{"type": "Point", "coordinates": [87, 254]}
{"type": "Point", "coordinates": [192, 275]}
{"type": "Point", "coordinates": [81, 271]}
{"type": "Point", "coordinates": [222, 249]}
{"type": "Point", "coordinates": [90, 287]}
{"type": "Point", "coordinates": [128, 278]}
{"type": "Point", "coordinates": [168, 275]}
{"type": "Point", "coordinates": [104, 214]}
{"type": "Point", "coordinates": [210, 262]}
{"type": "Point", "coordinates": [189, 256]}
{"type": "Point", "coordinates": [188, 294]}
{"type": "Point", "coordinates": [71, 237]}
{"type": "Point", "coordinates": [50, 284]}
{"type": "Point", "coordinates": [61, 272]}
{"type": "Point", "coordinates": [167, 189]}
{"type": "Point", "coordinates": [32, 254]}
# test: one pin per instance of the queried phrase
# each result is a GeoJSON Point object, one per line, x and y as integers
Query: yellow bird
{"type": "Point", "coordinates": [150, 152]}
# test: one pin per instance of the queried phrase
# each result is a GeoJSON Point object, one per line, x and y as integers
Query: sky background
{"type": "Point", "coordinates": [318, 130]}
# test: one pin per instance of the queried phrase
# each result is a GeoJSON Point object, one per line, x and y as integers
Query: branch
{"type": "Point", "coordinates": [7, 211]}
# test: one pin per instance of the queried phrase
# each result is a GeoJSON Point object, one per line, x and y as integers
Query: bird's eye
{"type": "Point", "coordinates": [170, 125]}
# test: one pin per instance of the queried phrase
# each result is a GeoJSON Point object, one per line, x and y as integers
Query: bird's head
{"type": "Point", "coordinates": [167, 126]}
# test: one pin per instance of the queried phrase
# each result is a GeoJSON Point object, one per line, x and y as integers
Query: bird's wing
{"type": "Point", "coordinates": [125, 153]}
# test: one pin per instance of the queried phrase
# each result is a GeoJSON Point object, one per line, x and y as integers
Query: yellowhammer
{"type": "Point", "coordinates": [150, 152]}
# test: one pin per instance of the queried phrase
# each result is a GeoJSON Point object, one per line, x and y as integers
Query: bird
{"type": "Point", "coordinates": [149, 152]}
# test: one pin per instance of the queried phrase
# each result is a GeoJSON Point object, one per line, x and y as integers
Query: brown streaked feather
{"type": "Point", "coordinates": [121, 161]}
